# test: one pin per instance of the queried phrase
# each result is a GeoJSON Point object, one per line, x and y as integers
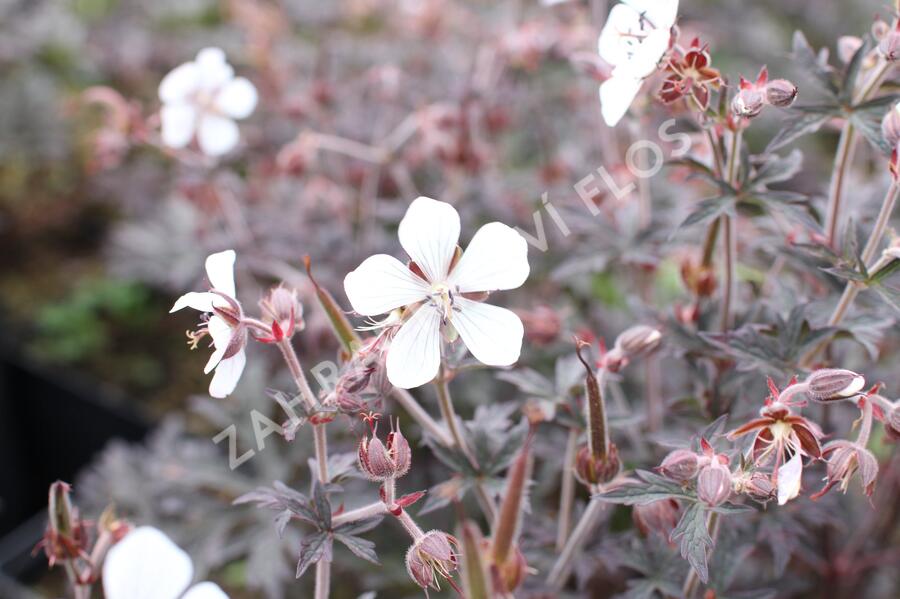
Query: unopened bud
{"type": "Point", "coordinates": [681, 465]}
{"type": "Point", "coordinates": [714, 483]}
{"type": "Point", "coordinates": [512, 571]}
{"type": "Point", "coordinates": [65, 537]}
{"type": "Point", "coordinates": [380, 461]}
{"type": "Point", "coordinates": [748, 102]}
{"type": "Point", "coordinates": [591, 469]}
{"type": "Point", "coordinates": [638, 340]}
{"type": "Point", "coordinates": [781, 93]}
{"type": "Point", "coordinates": [890, 126]}
{"type": "Point", "coordinates": [889, 47]}
{"type": "Point", "coordinates": [830, 384]}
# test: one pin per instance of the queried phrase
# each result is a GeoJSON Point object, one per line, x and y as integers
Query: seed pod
{"type": "Point", "coordinates": [380, 461]}
{"type": "Point", "coordinates": [681, 465]}
{"type": "Point", "coordinates": [714, 484]}
{"type": "Point", "coordinates": [831, 384]}
{"type": "Point", "coordinates": [781, 93]}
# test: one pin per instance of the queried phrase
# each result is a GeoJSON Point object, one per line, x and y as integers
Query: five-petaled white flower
{"type": "Point", "coordinates": [441, 290]}
{"type": "Point", "coordinates": [225, 325]}
{"type": "Point", "coordinates": [146, 564]}
{"type": "Point", "coordinates": [203, 97]}
{"type": "Point", "coordinates": [633, 40]}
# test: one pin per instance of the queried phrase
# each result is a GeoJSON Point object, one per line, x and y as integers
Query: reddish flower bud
{"type": "Point", "coordinates": [831, 384]}
{"type": "Point", "coordinates": [380, 461]}
{"type": "Point", "coordinates": [681, 465]}
{"type": "Point", "coordinates": [593, 470]}
{"type": "Point", "coordinates": [889, 47]}
{"type": "Point", "coordinates": [432, 557]}
{"type": "Point", "coordinates": [890, 126]}
{"type": "Point", "coordinates": [66, 536]}
{"type": "Point", "coordinates": [714, 484]}
{"type": "Point", "coordinates": [283, 312]}
{"type": "Point", "coordinates": [781, 93]}
{"type": "Point", "coordinates": [658, 517]}
{"type": "Point", "coordinates": [638, 340]}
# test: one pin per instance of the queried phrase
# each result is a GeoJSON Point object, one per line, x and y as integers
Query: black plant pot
{"type": "Point", "coordinates": [51, 426]}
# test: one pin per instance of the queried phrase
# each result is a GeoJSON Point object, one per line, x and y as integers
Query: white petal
{"type": "Point", "coordinates": [660, 14]}
{"type": "Point", "coordinates": [178, 122]}
{"type": "Point", "coordinates": [237, 98]}
{"type": "Point", "coordinates": [619, 34]}
{"type": "Point", "coordinates": [146, 564]}
{"type": "Point", "coordinates": [789, 476]}
{"type": "Point", "coordinates": [205, 590]}
{"type": "Point", "coordinates": [646, 55]}
{"type": "Point", "coordinates": [214, 71]}
{"type": "Point", "coordinates": [198, 301]}
{"type": "Point", "coordinates": [227, 375]}
{"type": "Point", "coordinates": [493, 334]}
{"type": "Point", "coordinates": [429, 233]}
{"type": "Point", "coordinates": [180, 83]}
{"type": "Point", "coordinates": [221, 334]}
{"type": "Point", "coordinates": [220, 271]}
{"type": "Point", "coordinates": [496, 258]}
{"type": "Point", "coordinates": [414, 355]}
{"type": "Point", "coordinates": [217, 134]}
{"type": "Point", "coordinates": [616, 95]}
{"type": "Point", "coordinates": [382, 283]}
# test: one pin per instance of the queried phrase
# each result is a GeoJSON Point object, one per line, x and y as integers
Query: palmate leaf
{"type": "Point", "coordinates": [693, 539]}
{"type": "Point", "coordinates": [362, 548]}
{"type": "Point", "coordinates": [798, 124]}
{"type": "Point", "coordinates": [869, 126]}
{"type": "Point", "coordinates": [848, 85]}
{"type": "Point", "coordinates": [314, 547]}
{"type": "Point", "coordinates": [707, 210]}
{"type": "Point", "coordinates": [890, 295]}
{"type": "Point", "coordinates": [651, 488]}
{"type": "Point", "coordinates": [776, 169]}
{"type": "Point", "coordinates": [808, 62]}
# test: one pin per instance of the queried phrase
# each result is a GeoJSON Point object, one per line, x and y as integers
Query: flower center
{"type": "Point", "coordinates": [441, 297]}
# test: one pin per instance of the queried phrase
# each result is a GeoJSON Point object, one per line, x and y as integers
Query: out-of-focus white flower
{"type": "Point", "coordinates": [146, 564]}
{"type": "Point", "coordinates": [789, 476]}
{"type": "Point", "coordinates": [442, 291]}
{"type": "Point", "coordinates": [225, 326]}
{"type": "Point", "coordinates": [202, 98]}
{"type": "Point", "coordinates": [633, 40]}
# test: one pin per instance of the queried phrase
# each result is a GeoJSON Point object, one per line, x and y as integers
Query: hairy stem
{"type": "Point", "coordinates": [729, 240]}
{"type": "Point", "coordinates": [563, 566]}
{"type": "Point", "coordinates": [865, 429]}
{"type": "Point", "coordinates": [447, 411]}
{"type": "Point", "coordinates": [852, 289]}
{"type": "Point", "coordinates": [418, 413]}
{"type": "Point", "coordinates": [567, 491]}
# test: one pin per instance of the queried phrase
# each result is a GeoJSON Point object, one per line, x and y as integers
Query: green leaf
{"type": "Point", "coordinates": [651, 488]}
{"type": "Point", "coordinates": [314, 547]}
{"type": "Point", "coordinates": [694, 540]}
{"type": "Point", "coordinates": [776, 168]}
{"type": "Point", "coordinates": [848, 87]}
{"type": "Point", "coordinates": [707, 210]}
{"type": "Point", "coordinates": [808, 62]}
{"type": "Point", "coordinates": [360, 547]}
{"type": "Point", "coordinates": [869, 125]}
{"type": "Point", "coordinates": [797, 125]}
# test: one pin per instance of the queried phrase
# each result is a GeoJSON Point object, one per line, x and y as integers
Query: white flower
{"type": "Point", "coordinates": [444, 294]}
{"type": "Point", "coordinates": [146, 564]}
{"type": "Point", "coordinates": [634, 39]}
{"type": "Point", "coordinates": [229, 336]}
{"type": "Point", "coordinates": [789, 476]}
{"type": "Point", "coordinates": [203, 97]}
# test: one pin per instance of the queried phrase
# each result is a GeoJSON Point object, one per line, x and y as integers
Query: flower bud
{"type": "Point", "coordinates": [657, 517]}
{"type": "Point", "coordinates": [890, 126]}
{"type": "Point", "coordinates": [781, 93]}
{"type": "Point", "coordinates": [714, 484]}
{"type": "Point", "coordinates": [748, 102]}
{"type": "Point", "coordinates": [830, 384]}
{"type": "Point", "coordinates": [65, 537]}
{"type": "Point", "coordinates": [512, 571]}
{"type": "Point", "coordinates": [680, 465]}
{"type": "Point", "coordinates": [283, 311]}
{"type": "Point", "coordinates": [638, 340]}
{"type": "Point", "coordinates": [380, 461]}
{"type": "Point", "coordinates": [889, 47]}
{"type": "Point", "coordinates": [431, 557]}
{"type": "Point", "coordinates": [591, 469]}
